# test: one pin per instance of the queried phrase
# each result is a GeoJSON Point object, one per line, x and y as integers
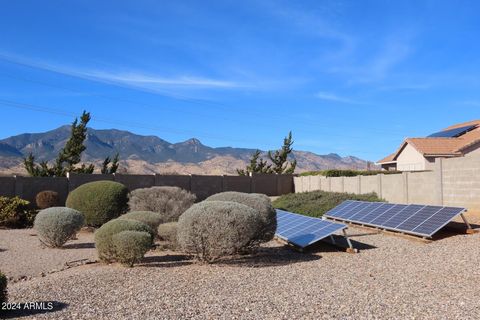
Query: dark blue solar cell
{"type": "Point", "coordinates": [289, 222]}
{"type": "Point", "coordinates": [355, 207]}
{"type": "Point", "coordinates": [302, 230]}
{"type": "Point", "coordinates": [311, 235]}
{"type": "Point", "coordinates": [401, 217]}
{"type": "Point", "coordinates": [438, 220]}
{"type": "Point", "coordinates": [338, 209]}
{"type": "Point", "coordinates": [382, 218]}
{"type": "Point", "coordinates": [418, 218]}
{"type": "Point", "coordinates": [377, 212]}
{"type": "Point", "coordinates": [358, 217]}
{"type": "Point", "coordinates": [300, 227]}
{"type": "Point", "coordinates": [354, 211]}
{"type": "Point", "coordinates": [452, 133]}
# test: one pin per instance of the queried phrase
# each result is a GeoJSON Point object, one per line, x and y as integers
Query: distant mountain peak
{"type": "Point", "coordinates": [138, 152]}
{"type": "Point", "coordinates": [192, 141]}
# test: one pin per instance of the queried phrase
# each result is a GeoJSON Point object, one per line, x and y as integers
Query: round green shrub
{"type": "Point", "coordinates": [261, 203]}
{"type": "Point", "coordinates": [152, 219]}
{"type": "Point", "coordinates": [170, 202]}
{"type": "Point", "coordinates": [16, 213]}
{"type": "Point", "coordinates": [168, 232]}
{"type": "Point", "coordinates": [131, 246]}
{"type": "Point", "coordinates": [47, 199]}
{"type": "Point", "coordinates": [99, 201]}
{"type": "Point", "coordinates": [104, 236]}
{"type": "Point", "coordinates": [3, 288]}
{"type": "Point", "coordinates": [214, 229]}
{"type": "Point", "coordinates": [56, 225]}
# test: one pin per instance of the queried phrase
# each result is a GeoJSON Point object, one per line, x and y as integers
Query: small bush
{"type": "Point", "coordinates": [316, 203]}
{"type": "Point", "coordinates": [170, 202]}
{"type": "Point", "coordinates": [47, 199]}
{"type": "Point", "coordinates": [99, 201]}
{"type": "Point", "coordinates": [214, 229]}
{"type": "Point", "coordinates": [15, 213]}
{"type": "Point", "coordinates": [168, 232]}
{"type": "Point", "coordinates": [3, 289]}
{"type": "Point", "coordinates": [151, 219]}
{"type": "Point", "coordinates": [259, 202]}
{"type": "Point", "coordinates": [131, 246]}
{"type": "Point", "coordinates": [57, 225]}
{"type": "Point", "coordinates": [104, 236]}
{"type": "Point", "coordinates": [347, 173]}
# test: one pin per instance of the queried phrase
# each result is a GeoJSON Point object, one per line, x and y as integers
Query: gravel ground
{"type": "Point", "coordinates": [392, 277]}
{"type": "Point", "coordinates": [22, 256]}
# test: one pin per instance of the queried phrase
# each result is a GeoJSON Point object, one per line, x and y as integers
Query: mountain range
{"type": "Point", "coordinates": [151, 154]}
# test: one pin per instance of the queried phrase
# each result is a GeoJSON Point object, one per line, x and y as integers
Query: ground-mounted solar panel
{"type": "Point", "coordinates": [303, 231]}
{"type": "Point", "coordinates": [420, 220]}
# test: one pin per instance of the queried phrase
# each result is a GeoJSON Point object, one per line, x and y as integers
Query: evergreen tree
{"type": "Point", "coordinates": [279, 161]}
{"type": "Point", "coordinates": [257, 165]}
{"type": "Point", "coordinates": [113, 167]}
{"type": "Point", "coordinates": [279, 158]}
{"type": "Point", "coordinates": [69, 156]}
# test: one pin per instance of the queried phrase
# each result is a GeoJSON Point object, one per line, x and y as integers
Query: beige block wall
{"type": "Point", "coordinates": [422, 188]}
{"type": "Point", "coordinates": [336, 184]}
{"type": "Point", "coordinates": [461, 182]}
{"type": "Point", "coordinates": [453, 182]}
{"type": "Point", "coordinates": [351, 185]}
{"type": "Point", "coordinates": [393, 188]}
{"type": "Point", "coordinates": [298, 183]}
{"type": "Point", "coordinates": [369, 184]}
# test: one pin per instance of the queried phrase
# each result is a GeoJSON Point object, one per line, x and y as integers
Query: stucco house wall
{"type": "Point", "coordinates": [410, 159]}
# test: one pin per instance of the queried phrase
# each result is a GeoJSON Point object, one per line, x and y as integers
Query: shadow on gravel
{"type": "Point", "coordinates": [453, 229]}
{"type": "Point", "coordinates": [340, 244]}
{"type": "Point", "coordinates": [166, 261]}
{"type": "Point", "coordinates": [270, 257]}
{"type": "Point", "coordinates": [31, 308]}
{"type": "Point", "coordinates": [85, 245]}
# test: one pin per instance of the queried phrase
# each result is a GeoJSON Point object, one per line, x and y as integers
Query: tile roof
{"type": "Point", "coordinates": [441, 146]}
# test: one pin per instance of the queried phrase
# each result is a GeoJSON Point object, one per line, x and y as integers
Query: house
{"type": "Point", "coordinates": [416, 154]}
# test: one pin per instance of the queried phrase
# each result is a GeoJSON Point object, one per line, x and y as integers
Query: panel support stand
{"type": "Point", "coordinates": [469, 227]}
{"type": "Point", "coordinates": [350, 248]}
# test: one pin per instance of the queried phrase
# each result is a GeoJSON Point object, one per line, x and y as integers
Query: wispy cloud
{"type": "Point", "coordinates": [380, 65]}
{"type": "Point", "coordinates": [135, 79]}
{"type": "Point", "coordinates": [154, 81]}
{"type": "Point", "coordinates": [473, 103]}
{"type": "Point", "coordinates": [335, 98]}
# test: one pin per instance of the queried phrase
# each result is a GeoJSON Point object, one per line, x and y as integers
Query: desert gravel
{"type": "Point", "coordinates": [391, 278]}
{"type": "Point", "coordinates": [22, 256]}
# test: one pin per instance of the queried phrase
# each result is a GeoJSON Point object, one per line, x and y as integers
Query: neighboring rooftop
{"type": "Point", "coordinates": [449, 142]}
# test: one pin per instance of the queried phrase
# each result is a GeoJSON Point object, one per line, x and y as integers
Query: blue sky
{"type": "Point", "coordinates": [349, 77]}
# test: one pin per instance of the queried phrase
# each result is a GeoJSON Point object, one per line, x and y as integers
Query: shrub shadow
{"type": "Point", "coordinates": [270, 257]}
{"type": "Point", "coordinates": [166, 261]}
{"type": "Point", "coordinates": [84, 245]}
{"type": "Point", "coordinates": [28, 310]}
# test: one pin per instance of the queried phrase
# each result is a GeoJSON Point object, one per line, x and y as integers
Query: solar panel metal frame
{"type": "Point", "coordinates": [428, 235]}
{"type": "Point", "coordinates": [305, 219]}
